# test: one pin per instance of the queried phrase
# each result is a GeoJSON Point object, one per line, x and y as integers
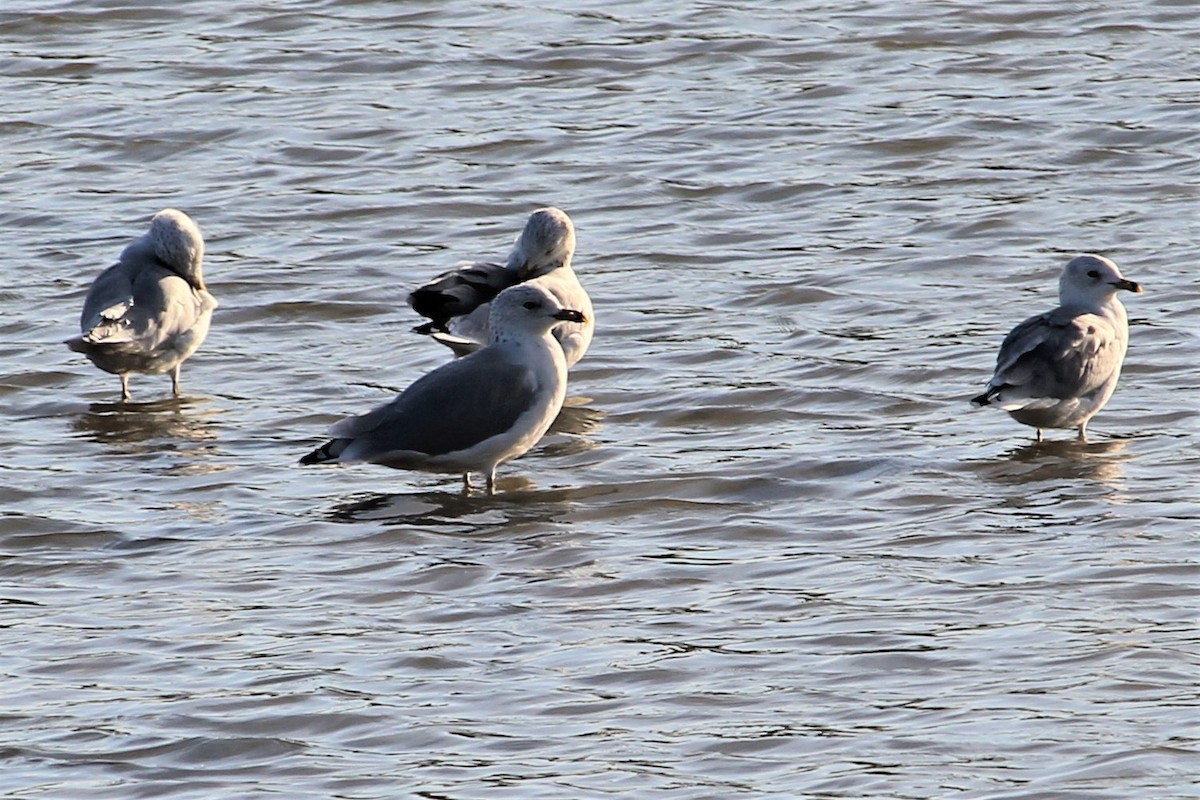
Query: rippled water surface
{"type": "Point", "coordinates": [769, 550]}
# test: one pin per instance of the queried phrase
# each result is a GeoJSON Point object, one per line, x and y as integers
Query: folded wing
{"type": "Point", "coordinates": [459, 291]}
{"type": "Point", "coordinates": [453, 408]}
{"type": "Point", "coordinates": [1054, 356]}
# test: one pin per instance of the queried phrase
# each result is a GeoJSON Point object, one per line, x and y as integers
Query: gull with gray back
{"type": "Point", "coordinates": [151, 310]}
{"type": "Point", "coordinates": [456, 302]}
{"type": "Point", "coordinates": [473, 413]}
{"type": "Point", "coordinates": [1058, 369]}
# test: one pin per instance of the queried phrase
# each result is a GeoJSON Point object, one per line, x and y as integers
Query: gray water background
{"type": "Point", "coordinates": [769, 552]}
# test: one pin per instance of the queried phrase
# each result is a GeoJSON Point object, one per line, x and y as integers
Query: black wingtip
{"type": "Point", "coordinates": [321, 454]}
{"type": "Point", "coordinates": [431, 327]}
{"type": "Point", "coordinates": [986, 398]}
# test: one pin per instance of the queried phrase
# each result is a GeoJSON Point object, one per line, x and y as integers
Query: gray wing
{"type": "Point", "coordinates": [107, 309]}
{"type": "Point", "coordinates": [459, 291]}
{"type": "Point", "coordinates": [136, 306]}
{"type": "Point", "coordinates": [457, 406]}
{"type": "Point", "coordinates": [1059, 354]}
{"type": "Point", "coordinates": [139, 316]}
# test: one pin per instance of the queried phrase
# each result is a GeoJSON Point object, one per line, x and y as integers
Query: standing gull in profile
{"type": "Point", "coordinates": [474, 413]}
{"type": "Point", "coordinates": [456, 302]}
{"type": "Point", "coordinates": [1057, 369]}
{"type": "Point", "coordinates": [150, 310]}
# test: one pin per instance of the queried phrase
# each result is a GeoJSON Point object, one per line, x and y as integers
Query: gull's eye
{"type": "Point", "coordinates": [1093, 273]}
{"type": "Point", "coordinates": [532, 304]}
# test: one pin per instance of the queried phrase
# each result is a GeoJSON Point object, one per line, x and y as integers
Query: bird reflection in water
{"type": "Point", "coordinates": [147, 427]}
{"type": "Point", "coordinates": [1064, 460]}
{"type": "Point", "coordinates": [173, 436]}
{"type": "Point", "coordinates": [518, 503]}
{"type": "Point", "coordinates": [576, 420]}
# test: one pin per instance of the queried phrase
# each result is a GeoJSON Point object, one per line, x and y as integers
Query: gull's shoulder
{"type": "Point", "coordinates": [1060, 329]}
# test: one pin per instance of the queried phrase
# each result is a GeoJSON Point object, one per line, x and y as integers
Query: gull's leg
{"type": "Point", "coordinates": [175, 380]}
{"type": "Point", "coordinates": [125, 395]}
{"type": "Point", "coordinates": [1039, 430]}
{"type": "Point", "coordinates": [466, 483]}
{"type": "Point", "coordinates": [1083, 431]}
{"type": "Point", "coordinates": [491, 481]}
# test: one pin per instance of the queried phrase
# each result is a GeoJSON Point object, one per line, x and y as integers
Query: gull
{"type": "Point", "coordinates": [456, 302]}
{"type": "Point", "coordinates": [151, 310]}
{"type": "Point", "coordinates": [476, 412]}
{"type": "Point", "coordinates": [1058, 369]}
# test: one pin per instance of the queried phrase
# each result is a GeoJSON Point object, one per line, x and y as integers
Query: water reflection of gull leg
{"type": "Point", "coordinates": [1063, 460]}
{"type": "Point", "coordinates": [139, 423]}
{"type": "Point", "coordinates": [455, 512]}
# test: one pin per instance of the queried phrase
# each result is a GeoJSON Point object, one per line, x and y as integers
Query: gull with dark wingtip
{"type": "Point", "coordinates": [1058, 369]}
{"type": "Point", "coordinates": [456, 302]}
{"type": "Point", "coordinates": [473, 413]}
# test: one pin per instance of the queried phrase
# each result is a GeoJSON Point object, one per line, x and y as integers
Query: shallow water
{"type": "Point", "coordinates": [769, 550]}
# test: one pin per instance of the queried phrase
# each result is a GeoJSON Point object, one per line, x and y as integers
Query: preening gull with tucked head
{"type": "Point", "coordinates": [151, 310]}
{"type": "Point", "coordinates": [476, 412]}
{"type": "Point", "coordinates": [456, 302]}
{"type": "Point", "coordinates": [1056, 370]}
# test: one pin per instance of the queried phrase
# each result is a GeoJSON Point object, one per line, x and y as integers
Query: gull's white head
{"type": "Point", "coordinates": [547, 243]}
{"type": "Point", "coordinates": [525, 309]}
{"type": "Point", "coordinates": [1091, 280]}
{"type": "Point", "coordinates": [177, 243]}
